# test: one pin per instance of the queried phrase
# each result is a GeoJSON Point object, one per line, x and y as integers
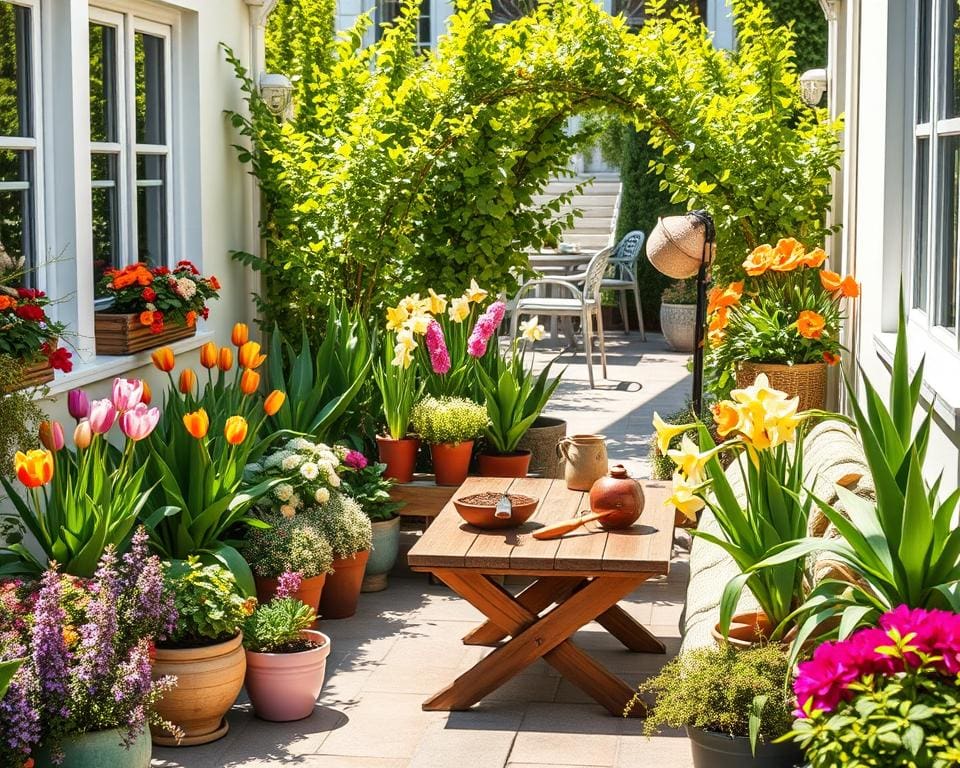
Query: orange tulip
{"type": "Point", "coordinates": [720, 319]}
{"type": "Point", "coordinates": [274, 402]}
{"type": "Point", "coordinates": [208, 355]}
{"type": "Point", "coordinates": [191, 319]}
{"type": "Point", "coordinates": [163, 359]}
{"type": "Point", "coordinates": [34, 468]}
{"type": "Point", "coordinates": [830, 280]}
{"type": "Point", "coordinates": [188, 381]}
{"type": "Point", "coordinates": [225, 360]}
{"type": "Point", "coordinates": [810, 324]}
{"type": "Point", "coordinates": [240, 335]}
{"type": "Point", "coordinates": [725, 297]}
{"type": "Point", "coordinates": [759, 261]}
{"type": "Point", "coordinates": [831, 358]}
{"type": "Point", "coordinates": [197, 423]}
{"type": "Point", "coordinates": [235, 430]}
{"type": "Point", "coordinates": [249, 382]}
{"type": "Point", "coordinates": [789, 255]}
{"type": "Point", "coordinates": [249, 355]}
{"type": "Point", "coordinates": [849, 287]}
{"type": "Point", "coordinates": [147, 393]}
{"type": "Point", "coordinates": [815, 258]}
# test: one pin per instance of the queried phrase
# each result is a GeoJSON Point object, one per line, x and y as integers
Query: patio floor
{"type": "Point", "coordinates": [404, 643]}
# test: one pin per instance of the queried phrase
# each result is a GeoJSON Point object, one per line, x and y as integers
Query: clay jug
{"type": "Point", "coordinates": [619, 496]}
{"type": "Point", "coordinates": [585, 460]}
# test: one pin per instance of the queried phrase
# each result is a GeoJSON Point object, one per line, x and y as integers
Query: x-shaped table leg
{"type": "Point", "coordinates": [534, 637]}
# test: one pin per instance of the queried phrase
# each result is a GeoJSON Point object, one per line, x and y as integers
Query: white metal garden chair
{"type": "Point", "coordinates": [623, 276]}
{"type": "Point", "coordinates": [583, 302]}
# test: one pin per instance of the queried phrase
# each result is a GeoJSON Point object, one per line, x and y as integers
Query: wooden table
{"type": "Point", "coordinates": [584, 575]}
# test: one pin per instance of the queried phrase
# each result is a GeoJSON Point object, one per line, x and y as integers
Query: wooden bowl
{"type": "Point", "coordinates": [478, 510]}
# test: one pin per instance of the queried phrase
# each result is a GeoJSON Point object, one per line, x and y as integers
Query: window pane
{"type": "Point", "coordinates": [634, 11]}
{"type": "Point", "coordinates": [150, 85]}
{"type": "Point", "coordinates": [924, 47]}
{"type": "Point", "coordinates": [920, 223]}
{"type": "Point", "coordinates": [15, 98]}
{"type": "Point", "coordinates": [951, 70]}
{"type": "Point", "coordinates": [106, 213]}
{"type": "Point", "coordinates": [503, 11]}
{"type": "Point", "coordinates": [389, 10]}
{"type": "Point", "coordinates": [946, 274]}
{"type": "Point", "coordinates": [103, 83]}
{"type": "Point", "coordinates": [151, 209]}
{"type": "Point", "coordinates": [17, 236]}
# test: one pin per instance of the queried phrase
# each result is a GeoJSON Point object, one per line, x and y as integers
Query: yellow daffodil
{"type": "Point", "coordinates": [401, 356]}
{"type": "Point", "coordinates": [666, 432]}
{"type": "Point", "coordinates": [459, 309]}
{"type": "Point", "coordinates": [685, 497]}
{"type": "Point", "coordinates": [689, 460]}
{"type": "Point", "coordinates": [768, 417]}
{"type": "Point", "coordinates": [418, 323]}
{"type": "Point", "coordinates": [438, 303]}
{"type": "Point", "coordinates": [405, 339]}
{"type": "Point", "coordinates": [531, 330]}
{"type": "Point", "coordinates": [726, 416]}
{"type": "Point", "coordinates": [396, 317]}
{"type": "Point", "coordinates": [475, 293]}
{"type": "Point", "coordinates": [411, 303]}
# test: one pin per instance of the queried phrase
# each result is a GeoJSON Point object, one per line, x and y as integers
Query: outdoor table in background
{"type": "Point", "coordinates": [585, 575]}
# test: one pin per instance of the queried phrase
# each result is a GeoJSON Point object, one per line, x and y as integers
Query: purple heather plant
{"type": "Point", "coordinates": [288, 583]}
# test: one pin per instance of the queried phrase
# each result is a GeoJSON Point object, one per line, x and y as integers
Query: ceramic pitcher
{"type": "Point", "coordinates": [585, 460]}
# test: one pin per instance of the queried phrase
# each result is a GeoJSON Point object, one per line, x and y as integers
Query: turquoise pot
{"type": "Point", "coordinates": [100, 749]}
{"type": "Point", "coordinates": [383, 555]}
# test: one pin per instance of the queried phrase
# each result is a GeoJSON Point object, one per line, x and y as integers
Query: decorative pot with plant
{"type": "Point", "coordinates": [396, 377]}
{"type": "Point", "coordinates": [449, 425]}
{"type": "Point", "coordinates": [79, 500]}
{"type": "Point", "coordinates": [151, 306]}
{"type": "Point", "coordinates": [782, 319]}
{"type": "Point", "coordinates": [286, 660]}
{"type": "Point", "coordinates": [366, 484]}
{"type": "Point", "coordinates": [678, 314]}
{"type": "Point", "coordinates": [203, 652]}
{"type": "Point", "coordinates": [761, 425]}
{"type": "Point", "coordinates": [84, 688]}
{"type": "Point", "coordinates": [514, 399]}
{"type": "Point", "coordinates": [350, 533]}
{"type": "Point", "coordinates": [733, 703]}
{"type": "Point", "coordinates": [210, 429]}
{"type": "Point", "coordinates": [886, 695]}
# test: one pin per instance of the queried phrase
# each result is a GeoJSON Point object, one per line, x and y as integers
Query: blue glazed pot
{"type": "Point", "coordinates": [383, 555]}
{"type": "Point", "coordinates": [100, 749]}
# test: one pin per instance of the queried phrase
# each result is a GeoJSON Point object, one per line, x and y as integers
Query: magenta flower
{"type": "Point", "coordinates": [355, 460]}
{"type": "Point", "coordinates": [102, 416]}
{"type": "Point", "coordinates": [437, 347]}
{"type": "Point", "coordinates": [288, 583]}
{"type": "Point", "coordinates": [127, 393]}
{"type": "Point", "coordinates": [78, 404]}
{"type": "Point", "coordinates": [485, 328]}
{"type": "Point", "coordinates": [139, 422]}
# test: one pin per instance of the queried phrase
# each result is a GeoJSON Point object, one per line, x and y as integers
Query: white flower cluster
{"type": "Point", "coordinates": [309, 471]}
{"type": "Point", "coordinates": [186, 288]}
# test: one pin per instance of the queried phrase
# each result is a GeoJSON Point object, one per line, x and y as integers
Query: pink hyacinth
{"type": "Point", "coordinates": [485, 328]}
{"type": "Point", "coordinates": [437, 347]}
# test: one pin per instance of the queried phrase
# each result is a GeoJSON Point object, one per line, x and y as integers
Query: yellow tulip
{"type": "Point", "coordinates": [689, 460]}
{"type": "Point", "coordinates": [34, 468]}
{"type": "Point", "coordinates": [396, 317]}
{"type": "Point", "coordinates": [475, 293]}
{"type": "Point", "coordinates": [666, 432]}
{"type": "Point", "coordinates": [685, 497]}
{"type": "Point", "coordinates": [459, 309]}
{"type": "Point", "coordinates": [235, 430]}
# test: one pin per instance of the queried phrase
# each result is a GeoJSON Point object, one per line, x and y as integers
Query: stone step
{"type": "Point", "coordinates": [598, 187]}
{"type": "Point", "coordinates": [580, 201]}
{"type": "Point", "coordinates": [587, 240]}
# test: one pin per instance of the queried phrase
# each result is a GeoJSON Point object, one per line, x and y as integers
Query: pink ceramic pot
{"type": "Point", "coordinates": [285, 686]}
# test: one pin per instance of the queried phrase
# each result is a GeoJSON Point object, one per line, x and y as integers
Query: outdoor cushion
{"type": "Point", "coordinates": [832, 455]}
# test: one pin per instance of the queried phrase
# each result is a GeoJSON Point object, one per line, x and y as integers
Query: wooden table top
{"type": "Point", "coordinates": [645, 547]}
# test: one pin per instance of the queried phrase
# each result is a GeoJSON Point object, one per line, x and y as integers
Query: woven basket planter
{"type": "Point", "coordinates": [125, 334]}
{"type": "Point", "coordinates": [34, 375]}
{"type": "Point", "coordinates": [808, 381]}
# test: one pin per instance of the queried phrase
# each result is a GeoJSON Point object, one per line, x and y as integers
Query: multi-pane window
{"type": "Point", "coordinates": [129, 140]}
{"type": "Point", "coordinates": [504, 11]}
{"type": "Point", "coordinates": [387, 11]}
{"type": "Point", "coordinates": [936, 176]}
{"type": "Point", "coordinates": [20, 229]}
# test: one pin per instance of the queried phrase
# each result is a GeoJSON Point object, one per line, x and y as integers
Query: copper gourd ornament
{"type": "Point", "coordinates": [618, 498]}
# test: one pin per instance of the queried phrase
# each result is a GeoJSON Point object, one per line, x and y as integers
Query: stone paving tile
{"type": "Point", "coordinates": [382, 725]}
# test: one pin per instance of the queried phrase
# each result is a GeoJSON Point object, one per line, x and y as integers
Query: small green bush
{"type": "Point", "coordinates": [296, 544]}
{"type": "Point", "coordinates": [210, 608]}
{"type": "Point", "coordinates": [448, 420]}
{"type": "Point", "coordinates": [345, 526]}
{"type": "Point", "coordinates": [276, 626]}
{"type": "Point", "coordinates": [681, 292]}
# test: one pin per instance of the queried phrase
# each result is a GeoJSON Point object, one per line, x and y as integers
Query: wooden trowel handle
{"type": "Point", "coordinates": [557, 530]}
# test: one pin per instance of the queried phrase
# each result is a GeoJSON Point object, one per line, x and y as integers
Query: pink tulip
{"type": "Point", "coordinates": [78, 404]}
{"type": "Point", "coordinates": [51, 435]}
{"type": "Point", "coordinates": [102, 416]}
{"type": "Point", "coordinates": [83, 435]}
{"type": "Point", "coordinates": [139, 422]}
{"type": "Point", "coordinates": [127, 393]}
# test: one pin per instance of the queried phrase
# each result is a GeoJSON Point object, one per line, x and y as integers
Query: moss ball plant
{"type": "Point", "coordinates": [448, 420]}
{"type": "Point", "coordinates": [296, 544]}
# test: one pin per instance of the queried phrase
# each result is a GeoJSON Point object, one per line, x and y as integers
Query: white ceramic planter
{"type": "Point", "coordinates": [679, 323]}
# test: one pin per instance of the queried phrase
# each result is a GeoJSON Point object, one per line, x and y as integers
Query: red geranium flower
{"type": "Point", "coordinates": [188, 265]}
{"type": "Point", "coordinates": [30, 293]}
{"type": "Point", "coordinates": [149, 294]}
{"type": "Point", "coordinates": [61, 360]}
{"type": "Point", "coordinates": [30, 312]}
{"type": "Point", "coordinates": [157, 326]}
{"type": "Point", "coordinates": [161, 271]}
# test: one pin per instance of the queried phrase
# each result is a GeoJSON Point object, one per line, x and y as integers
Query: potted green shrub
{"type": "Point", "coordinates": [678, 314]}
{"type": "Point", "coordinates": [365, 483]}
{"type": "Point", "coordinates": [350, 534]}
{"type": "Point", "coordinates": [726, 699]}
{"type": "Point", "coordinates": [203, 652]}
{"type": "Point", "coordinates": [449, 425]}
{"type": "Point", "coordinates": [286, 660]}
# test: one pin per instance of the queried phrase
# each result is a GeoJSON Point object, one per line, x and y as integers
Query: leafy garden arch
{"type": "Point", "coordinates": [404, 169]}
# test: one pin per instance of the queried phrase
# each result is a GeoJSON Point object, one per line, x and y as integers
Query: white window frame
{"type": "Point", "coordinates": [431, 15]}
{"type": "Point", "coordinates": [33, 144]}
{"type": "Point", "coordinates": [128, 23]}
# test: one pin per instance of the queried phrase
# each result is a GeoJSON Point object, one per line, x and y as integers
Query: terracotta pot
{"type": "Point", "coordinates": [541, 440]}
{"type": "Point", "coordinates": [284, 686]}
{"type": "Point", "coordinates": [719, 750]}
{"type": "Point", "coordinates": [585, 460]}
{"type": "Point", "coordinates": [208, 681]}
{"type": "Point", "coordinates": [309, 592]}
{"type": "Point", "coordinates": [515, 464]}
{"type": "Point", "coordinates": [124, 334]}
{"type": "Point", "coordinates": [619, 497]}
{"type": "Point", "coordinates": [808, 381]}
{"type": "Point", "coordinates": [383, 554]}
{"type": "Point", "coordinates": [746, 629]}
{"type": "Point", "coordinates": [400, 456]}
{"type": "Point", "coordinates": [342, 590]}
{"type": "Point", "coordinates": [100, 749]}
{"type": "Point", "coordinates": [451, 462]}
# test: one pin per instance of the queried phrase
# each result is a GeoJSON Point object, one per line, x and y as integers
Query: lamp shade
{"type": "Point", "coordinates": [676, 246]}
